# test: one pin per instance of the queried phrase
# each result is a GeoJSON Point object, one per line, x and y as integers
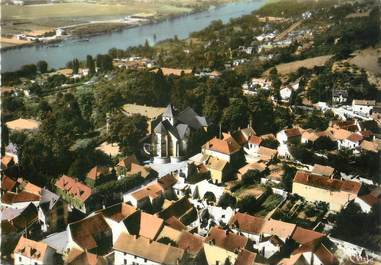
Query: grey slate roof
{"type": "Point", "coordinates": [190, 117]}
{"type": "Point", "coordinates": [169, 111]}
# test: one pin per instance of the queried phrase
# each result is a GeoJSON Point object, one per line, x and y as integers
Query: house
{"type": "Point", "coordinates": [19, 200]}
{"type": "Point", "coordinates": [182, 209]}
{"type": "Point", "coordinates": [369, 146]}
{"type": "Point", "coordinates": [226, 239]}
{"type": "Point", "coordinates": [339, 96]}
{"type": "Point", "coordinates": [337, 193]}
{"type": "Point", "coordinates": [242, 136]}
{"type": "Point", "coordinates": [304, 236]}
{"type": "Point", "coordinates": [191, 243]}
{"type": "Point", "coordinates": [367, 201]}
{"type": "Point", "coordinates": [144, 224]}
{"type": "Point", "coordinates": [286, 137]}
{"type": "Point", "coordinates": [7, 162]}
{"type": "Point", "coordinates": [213, 255]}
{"type": "Point", "coordinates": [255, 227]}
{"type": "Point", "coordinates": [204, 187]}
{"type": "Point", "coordinates": [92, 234]}
{"type": "Point", "coordinates": [99, 175]}
{"type": "Point", "coordinates": [52, 211]}
{"type": "Point", "coordinates": [351, 142]}
{"type": "Point", "coordinates": [23, 124]}
{"type": "Point", "coordinates": [250, 167]}
{"type": "Point", "coordinates": [263, 154]}
{"type": "Point", "coordinates": [28, 251]}
{"type": "Point", "coordinates": [226, 149]}
{"type": "Point", "coordinates": [75, 193]}
{"type": "Point", "coordinates": [153, 114]}
{"type": "Point", "coordinates": [173, 71]}
{"type": "Point", "coordinates": [130, 166]}
{"type": "Point", "coordinates": [292, 135]}
{"type": "Point", "coordinates": [310, 137]}
{"type": "Point", "coordinates": [8, 184]}
{"type": "Point", "coordinates": [219, 169]}
{"type": "Point", "coordinates": [15, 220]}
{"type": "Point", "coordinates": [171, 134]}
{"type": "Point", "coordinates": [363, 107]}
{"type": "Point", "coordinates": [148, 196]}
{"type": "Point", "coordinates": [315, 252]}
{"type": "Point", "coordinates": [88, 258]}
{"type": "Point", "coordinates": [254, 143]}
{"type": "Point", "coordinates": [321, 170]}
{"type": "Point", "coordinates": [130, 249]}
{"type": "Point", "coordinates": [285, 93]}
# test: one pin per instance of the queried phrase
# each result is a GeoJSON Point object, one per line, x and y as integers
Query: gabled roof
{"type": "Point", "coordinates": [278, 228]}
{"type": "Point", "coordinates": [143, 171]}
{"type": "Point", "coordinates": [255, 140]}
{"type": "Point", "coordinates": [6, 161]}
{"type": "Point", "coordinates": [323, 170]}
{"type": "Point", "coordinates": [226, 239]}
{"type": "Point", "coordinates": [127, 161]}
{"type": "Point", "coordinates": [191, 243]}
{"type": "Point", "coordinates": [48, 199]}
{"type": "Point", "coordinates": [303, 236]}
{"type": "Point", "coordinates": [322, 182]}
{"type": "Point", "coordinates": [91, 232]}
{"type": "Point", "coordinates": [252, 166]}
{"type": "Point", "coordinates": [175, 223]}
{"type": "Point", "coordinates": [267, 153]}
{"type": "Point", "coordinates": [370, 146]}
{"type": "Point", "coordinates": [318, 247]}
{"type": "Point", "coordinates": [245, 257]}
{"type": "Point", "coordinates": [355, 137]}
{"type": "Point", "coordinates": [226, 146]}
{"type": "Point", "coordinates": [97, 172]}
{"type": "Point", "coordinates": [217, 255]}
{"type": "Point", "coordinates": [144, 224]}
{"type": "Point", "coordinates": [31, 249]}
{"type": "Point", "coordinates": [247, 223]}
{"type": "Point", "coordinates": [8, 184]}
{"type": "Point", "coordinates": [167, 181]}
{"type": "Point", "coordinates": [190, 117]}
{"type": "Point", "coordinates": [151, 191]}
{"type": "Point", "coordinates": [74, 187]}
{"type": "Point", "coordinates": [216, 163]}
{"type": "Point", "coordinates": [292, 132]}
{"type": "Point", "coordinates": [31, 188]}
{"type": "Point", "coordinates": [118, 212]}
{"type": "Point", "coordinates": [87, 258]}
{"type": "Point", "coordinates": [169, 112]}
{"type": "Point", "coordinates": [148, 249]}
{"type": "Point", "coordinates": [178, 209]}
{"type": "Point", "coordinates": [364, 102]}
{"type": "Point", "coordinates": [11, 197]}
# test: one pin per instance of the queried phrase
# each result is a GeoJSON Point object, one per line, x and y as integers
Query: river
{"type": "Point", "coordinates": [182, 26]}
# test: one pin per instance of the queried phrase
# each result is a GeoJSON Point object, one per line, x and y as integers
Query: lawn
{"type": "Point", "coordinates": [309, 63]}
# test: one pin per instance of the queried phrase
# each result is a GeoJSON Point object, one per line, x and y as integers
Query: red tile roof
{"type": "Point", "coordinates": [98, 171]}
{"type": "Point", "coordinates": [245, 257]}
{"type": "Point", "coordinates": [11, 197]}
{"type": "Point", "coordinates": [6, 161]}
{"type": "Point", "coordinates": [303, 236]}
{"type": "Point", "coordinates": [255, 140]}
{"type": "Point", "coordinates": [247, 223]}
{"type": "Point", "coordinates": [74, 187]}
{"type": "Point", "coordinates": [31, 249]}
{"type": "Point", "coordinates": [355, 137]}
{"type": "Point", "coordinates": [292, 132]}
{"type": "Point", "coordinates": [191, 243]}
{"type": "Point", "coordinates": [323, 182]}
{"type": "Point", "coordinates": [226, 146]}
{"type": "Point", "coordinates": [118, 212]}
{"type": "Point", "coordinates": [8, 184]}
{"type": "Point", "coordinates": [225, 239]}
{"type": "Point", "coordinates": [150, 225]}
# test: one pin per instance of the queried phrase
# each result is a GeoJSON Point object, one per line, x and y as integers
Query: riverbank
{"type": "Point", "coordinates": [29, 18]}
{"type": "Point", "coordinates": [181, 26]}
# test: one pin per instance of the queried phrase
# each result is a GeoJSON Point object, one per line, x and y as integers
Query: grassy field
{"type": "Point", "coordinates": [21, 19]}
{"type": "Point", "coordinates": [309, 63]}
{"type": "Point", "coordinates": [368, 59]}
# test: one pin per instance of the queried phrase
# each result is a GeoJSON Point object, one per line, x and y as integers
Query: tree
{"type": "Point", "coordinates": [235, 116]}
{"type": "Point", "coordinates": [288, 176]}
{"type": "Point", "coordinates": [128, 131]}
{"type": "Point", "coordinates": [75, 66]}
{"type": "Point", "coordinates": [247, 204]}
{"type": "Point", "coordinates": [42, 66]}
{"type": "Point", "coordinates": [28, 70]}
{"type": "Point", "coordinates": [227, 200]}
{"type": "Point", "coordinates": [90, 64]}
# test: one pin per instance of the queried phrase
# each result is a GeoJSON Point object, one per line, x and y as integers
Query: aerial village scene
{"type": "Point", "coordinates": [214, 132]}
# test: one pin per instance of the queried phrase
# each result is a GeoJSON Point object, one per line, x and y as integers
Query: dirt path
{"type": "Point", "coordinates": [284, 34]}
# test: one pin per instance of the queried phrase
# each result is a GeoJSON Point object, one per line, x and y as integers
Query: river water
{"type": "Point", "coordinates": [182, 26]}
